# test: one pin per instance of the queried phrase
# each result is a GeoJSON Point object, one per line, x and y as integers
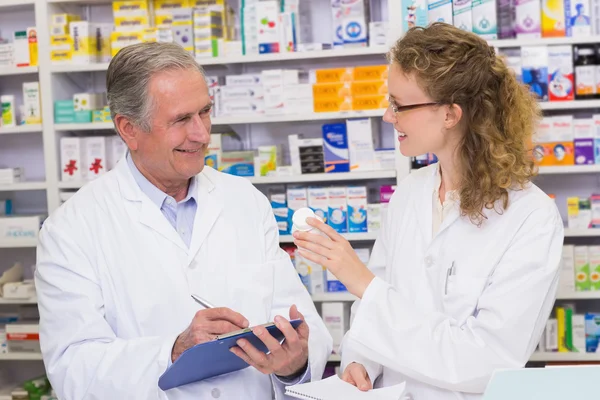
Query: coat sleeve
{"type": "Point", "coordinates": [502, 333]}
{"type": "Point", "coordinates": [288, 290]}
{"type": "Point", "coordinates": [83, 357]}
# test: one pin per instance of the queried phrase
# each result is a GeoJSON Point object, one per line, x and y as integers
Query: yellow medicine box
{"type": "Point", "coordinates": [324, 90]}
{"type": "Point", "coordinates": [332, 104]}
{"type": "Point", "coordinates": [132, 23]}
{"type": "Point", "coordinates": [370, 102]}
{"type": "Point", "coordinates": [372, 73]}
{"type": "Point", "coordinates": [130, 8]}
{"type": "Point", "coordinates": [64, 19]}
{"type": "Point", "coordinates": [333, 75]}
{"type": "Point", "coordinates": [369, 88]}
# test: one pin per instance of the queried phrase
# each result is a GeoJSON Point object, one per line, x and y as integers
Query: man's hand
{"type": "Point", "coordinates": [284, 361]}
{"type": "Point", "coordinates": [205, 326]}
{"type": "Point", "coordinates": [356, 375]}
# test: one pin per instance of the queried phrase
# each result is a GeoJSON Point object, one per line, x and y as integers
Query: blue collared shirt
{"type": "Point", "coordinates": [181, 214]}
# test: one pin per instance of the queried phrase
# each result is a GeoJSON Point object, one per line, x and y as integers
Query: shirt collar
{"type": "Point", "coordinates": [451, 195]}
{"type": "Point", "coordinates": [156, 195]}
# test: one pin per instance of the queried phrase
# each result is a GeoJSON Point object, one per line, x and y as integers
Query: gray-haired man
{"type": "Point", "coordinates": [118, 262]}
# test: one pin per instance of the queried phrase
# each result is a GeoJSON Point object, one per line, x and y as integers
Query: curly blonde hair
{"type": "Point", "coordinates": [499, 113]}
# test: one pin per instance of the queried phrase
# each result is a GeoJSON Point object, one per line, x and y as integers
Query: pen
{"type": "Point", "coordinates": [449, 272]}
{"type": "Point", "coordinates": [202, 302]}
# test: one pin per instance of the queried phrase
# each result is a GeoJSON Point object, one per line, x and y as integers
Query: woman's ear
{"type": "Point", "coordinates": [453, 116]}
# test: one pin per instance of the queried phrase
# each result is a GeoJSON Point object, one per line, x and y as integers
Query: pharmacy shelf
{"type": "Point", "coordinates": [332, 177]}
{"type": "Point", "coordinates": [503, 43]}
{"type": "Point", "coordinates": [20, 186]}
{"type": "Point", "coordinates": [32, 128]}
{"type": "Point", "coordinates": [353, 237]}
{"type": "Point", "coordinates": [591, 295]}
{"type": "Point", "coordinates": [332, 358]}
{"type": "Point", "coordinates": [18, 243]}
{"type": "Point", "coordinates": [573, 169]}
{"type": "Point", "coordinates": [307, 55]}
{"type": "Point", "coordinates": [244, 119]}
{"type": "Point", "coordinates": [569, 105]}
{"type": "Point", "coordinates": [21, 356]}
{"type": "Point", "coordinates": [6, 71]}
{"type": "Point", "coordinates": [333, 296]}
{"type": "Point", "coordinates": [260, 119]}
{"type": "Point", "coordinates": [15, 3]}
{"type": "Point", "coordinates": [4, 301]}
{"type": "Point", "coordinates": [91, 126]}
{"type": "Point", "coordinates": [565, 357]}
{"type": "Point", "coordinates": [582, 232]}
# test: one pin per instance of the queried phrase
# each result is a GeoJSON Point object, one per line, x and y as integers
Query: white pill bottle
{"type": "Point", "coordinates": [299, 221]}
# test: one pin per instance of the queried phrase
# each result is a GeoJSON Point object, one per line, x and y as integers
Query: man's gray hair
{"type": "Point", "coordinates": [129, 74]}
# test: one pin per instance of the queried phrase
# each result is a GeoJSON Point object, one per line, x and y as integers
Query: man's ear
{"type": "Point", "coordinates": [128, 131]}
{"type": "Point", "coordinates": [453, 116]}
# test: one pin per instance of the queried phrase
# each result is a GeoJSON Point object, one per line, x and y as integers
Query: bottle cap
{"type": "Point", "coordinates": [300, 216]}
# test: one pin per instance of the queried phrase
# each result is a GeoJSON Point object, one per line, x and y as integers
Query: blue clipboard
{"type": "Point", "coordinates": [213, 358]}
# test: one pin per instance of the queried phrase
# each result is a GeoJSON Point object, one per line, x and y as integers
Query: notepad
{"type": "Point", "coordinates": [334, 388]}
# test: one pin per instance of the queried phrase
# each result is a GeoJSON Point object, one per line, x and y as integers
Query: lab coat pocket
{"type": "Point", "coordinates": [251, 288]}
{"type": "Point", "coordinates": [461, 294]}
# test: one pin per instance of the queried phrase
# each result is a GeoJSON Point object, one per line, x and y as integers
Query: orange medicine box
{"type": "Point", "coordinates": [324, 90]}
{"type": "Point", "coordinates": [370, 102]}
{"type": "Point", "coordinates": [369, 88]}
{"type": "Point", "coordinates": [332, 104]}
{"type": "Point", "coordinates": [333, 75]}
{"type": "Point", "coordinates": [372, 73]}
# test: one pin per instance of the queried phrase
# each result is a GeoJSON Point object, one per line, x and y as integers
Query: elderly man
{"type": "Point", "coordinates": [118, 263]}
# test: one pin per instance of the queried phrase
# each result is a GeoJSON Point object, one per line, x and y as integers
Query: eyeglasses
{"type": "Point", "coordinates": [397, 109]}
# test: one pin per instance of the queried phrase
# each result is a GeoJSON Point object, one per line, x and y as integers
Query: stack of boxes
{"type": "Point", "coordinates": [83, 108]}
{"type": "Point", "coordinates": [87, 158]}
{"type": "Point", "coordinates": [347, 89]}
{"type": "Point", "coordinates": [570, 331]}
{"type": "Point", "coordinates": [131, 25]}
{"type": "Point", "coordinates": [564, 140]}
{"type": "Point", "coordinates": [267, 29]}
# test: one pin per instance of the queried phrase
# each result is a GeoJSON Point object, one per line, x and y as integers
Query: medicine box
{"type": "Point", "coordinates": [560, 73]}
{"type": "Point", "coordinates": [596, 118]}
{"type": "Point", "coordinates": [583, 133]}
{"type": "Point", "coordinates": [440, 11]}
{"type": "Point", "coordinates": [116, 150]}
{"type": "Point", "coordinates": [553, 18]}
{"type": "Point", "coordinates": [23, 337]}
{"type": "Point", "coordinates": [355, 17]}
{"type": "Point", "coordinates": [535, 70]}
{"type": "Point", "coordinates": [334, 75]}
{"type": "Point", "coordinates": [240, 163]}
{"type": "Point", "coordinates": [296, 198]}
{"type": "Point", "coordinates": [311, 274]}
{"type": "Point", "coordinates": [268, 160]}
{"type": "Point", "coordinates": [582, 269]}
{"type": "Point", "coordinates": [336, 317]}
{"type": "Point", "coordinates": [335, 148]}
{"type": "Point", "coordinates": [85, 44]}
{"type": "Point", "coordinates": [18, 228]}
{"type": "Point", "coordinates": [336, 14]}
{"type": "Point", "coordinates": [337, 216]}
{"type": "Point", "coordinates": [528, 22]}
{"type": "Point", "coordinates": [318, 201]}
{"type": "Point", "coordinates": [485, 19]}
{"type": "Point", "coordinates": [578, 18]}
{"type": "Point", "coordinates": [95, 156]}
{"type": "Point", "coordinates": [567, 270]}
{"type": "Point", "coordinates": [71, 156]}
{"type": "Point", "coordinates": [357, 209]}
{"type": "Point", "coordinates": [594, 258]}
{"type": "Point", "coordinates": [461, 12]}
{"type": "Point", "coordinates": [592, 332]}
{"type": "Point", "coordinates": [32, 103]}
{"type": "Point", "coordinates": [21, 54]}
{"type": "Point", "coordinates": [277, 197]}
{"type": "Point", "coordinates": [361, 144]}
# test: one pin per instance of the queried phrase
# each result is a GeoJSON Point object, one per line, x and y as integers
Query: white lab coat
{"type": "Point", "coordinates": [446, 345]}
{"type": "Point", "coordinates": [114, 281]}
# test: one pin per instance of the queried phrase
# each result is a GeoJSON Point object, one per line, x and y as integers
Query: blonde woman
{"type": "Point", "coordinates": [464, 273]}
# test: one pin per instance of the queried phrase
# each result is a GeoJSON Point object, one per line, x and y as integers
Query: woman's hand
{"type": "Point", "coordinates": [336, 254]}
{"type": "Point", "coordinates": [356, 375]}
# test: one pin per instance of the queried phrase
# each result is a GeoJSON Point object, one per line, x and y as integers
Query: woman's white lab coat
{"type": "Point", "coordinates": [446, 311]}
{"type": "Point", "coordinates": [114, 281]}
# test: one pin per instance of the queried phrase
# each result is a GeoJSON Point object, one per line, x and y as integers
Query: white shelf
{"type": "Point", "coordinates": [18, 243]}
{"type": "Point", "coordinates": [349, 236]}
{"type": "Point", "coordinates": [342, 176]}
{"type": "Point", "coordinates": [259, 119]}
{"type": "Point", "coordinates": [33, 128]}
{"type": "Point", "coordinates": [71, 185]}
{"type": "Point", "coordinates": [17, 301]}
{"type": "Point", "coordinates": [564, 357]}
{"type": "Point", "coordinates": [91, 126]}
{"type": "Point", "coordinates": [20, 356]}
{"type": "Point", "coordinates": [569, 105]}
{"type": "Point", "coordinates": [590, 295]}
{"type": "Point", "coordinates": [594, 232]}
{"type": "Point", "coordinates": [543, 41]}
{"type": "Point", "coordinates": [5, 71]}
{"type": "Point", "coordinates": [20, 186]}
{"type": "Point", "coordinates": [307, 55]}
{"type": "Point", "coordinates": [15, 3]}
{"type": "Point", "coordinates": [333, 296]}
{"type": "Point", "coordinates": [571, 169]}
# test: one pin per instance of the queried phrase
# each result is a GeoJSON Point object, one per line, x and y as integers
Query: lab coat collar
{"type": "Point", "coordinates": [209, 207]}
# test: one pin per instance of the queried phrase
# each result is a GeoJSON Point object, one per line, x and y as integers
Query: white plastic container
{"type": "Point", "coordinates": [299, 221]}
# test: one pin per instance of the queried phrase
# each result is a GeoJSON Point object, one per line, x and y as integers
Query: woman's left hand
{"type": "Point", "coordinates": [336, 254]}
